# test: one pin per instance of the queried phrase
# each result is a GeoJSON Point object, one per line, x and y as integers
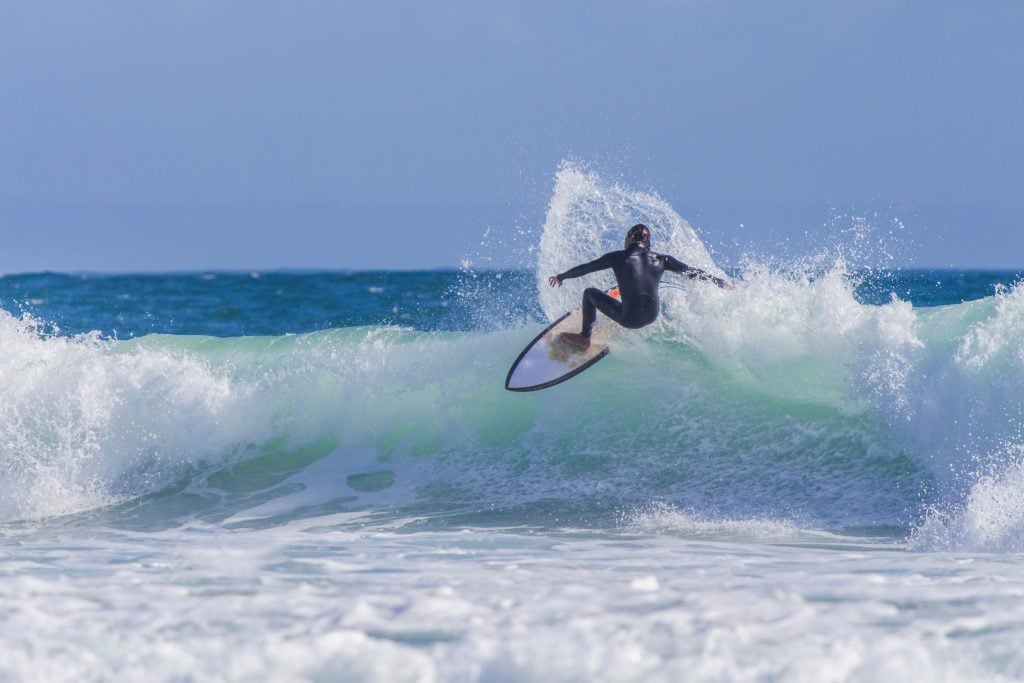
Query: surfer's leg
{"type": "Point", "coordinates": [595, 300]}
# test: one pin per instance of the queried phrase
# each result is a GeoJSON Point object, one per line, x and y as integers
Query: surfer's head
{"type": "Point", "coordinates": [639, 234]}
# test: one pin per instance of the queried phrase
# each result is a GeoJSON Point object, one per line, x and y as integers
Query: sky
{"type": "Point", "coordinates": [394, 134]}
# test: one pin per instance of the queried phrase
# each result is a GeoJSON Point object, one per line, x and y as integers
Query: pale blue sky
{"type": "Point", "coordinates": [365, 134]}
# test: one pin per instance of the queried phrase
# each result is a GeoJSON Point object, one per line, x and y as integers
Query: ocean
{"type": "Point", "coordinates": [318, 476]}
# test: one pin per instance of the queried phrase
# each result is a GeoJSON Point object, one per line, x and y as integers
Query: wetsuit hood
{"type": "Point", "coordinates": [638, 234]}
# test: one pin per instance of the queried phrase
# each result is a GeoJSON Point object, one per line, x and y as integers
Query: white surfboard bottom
{"type": "Point", "coordinates": [547, 360]}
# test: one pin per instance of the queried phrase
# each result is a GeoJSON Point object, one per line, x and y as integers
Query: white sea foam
{"type": "Point", "coordinates": [990, 519]}
{"type": "Point", "coordinates": [663, 518]}
{"type": "Point", "coordinates": [304, 604]}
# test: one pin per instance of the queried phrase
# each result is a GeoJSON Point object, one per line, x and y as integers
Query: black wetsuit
{"type": "Point", "coordinates": [638, 271]}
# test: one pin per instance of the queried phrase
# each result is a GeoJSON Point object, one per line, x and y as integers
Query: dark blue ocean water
{"type": "Point", "coordinates": [229, 304]}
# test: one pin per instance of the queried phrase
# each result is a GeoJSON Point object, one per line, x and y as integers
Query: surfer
{"type": "Point", "coordinates": [638, 271]}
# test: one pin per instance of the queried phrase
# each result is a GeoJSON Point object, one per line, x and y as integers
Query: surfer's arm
{"type": "Point", "coordinates": [677, 266]}
{"type": "Point", "coordinates": [583, 269]}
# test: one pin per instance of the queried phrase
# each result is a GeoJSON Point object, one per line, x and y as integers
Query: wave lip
{"type": "Point", "coordinates": [85, 421]}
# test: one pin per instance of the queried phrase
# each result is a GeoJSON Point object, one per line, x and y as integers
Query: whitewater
{"type": "Point", "coordinates": [816, 476]}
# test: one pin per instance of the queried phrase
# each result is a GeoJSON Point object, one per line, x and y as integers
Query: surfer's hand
{"type": "Point", "coordinates": [722, 283]}
{"type": "Point", "coordinates": [555, 281]}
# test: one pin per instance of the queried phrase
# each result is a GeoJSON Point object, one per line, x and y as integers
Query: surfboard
{"type": "Point", "coordinates": [547, 361]}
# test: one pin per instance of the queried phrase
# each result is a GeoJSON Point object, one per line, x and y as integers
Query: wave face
{"type": "Point", "coordinates": [787, 400]}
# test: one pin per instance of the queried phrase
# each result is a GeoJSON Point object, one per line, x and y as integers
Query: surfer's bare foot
{"type": "Point", "coordinates": [575, 340]}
